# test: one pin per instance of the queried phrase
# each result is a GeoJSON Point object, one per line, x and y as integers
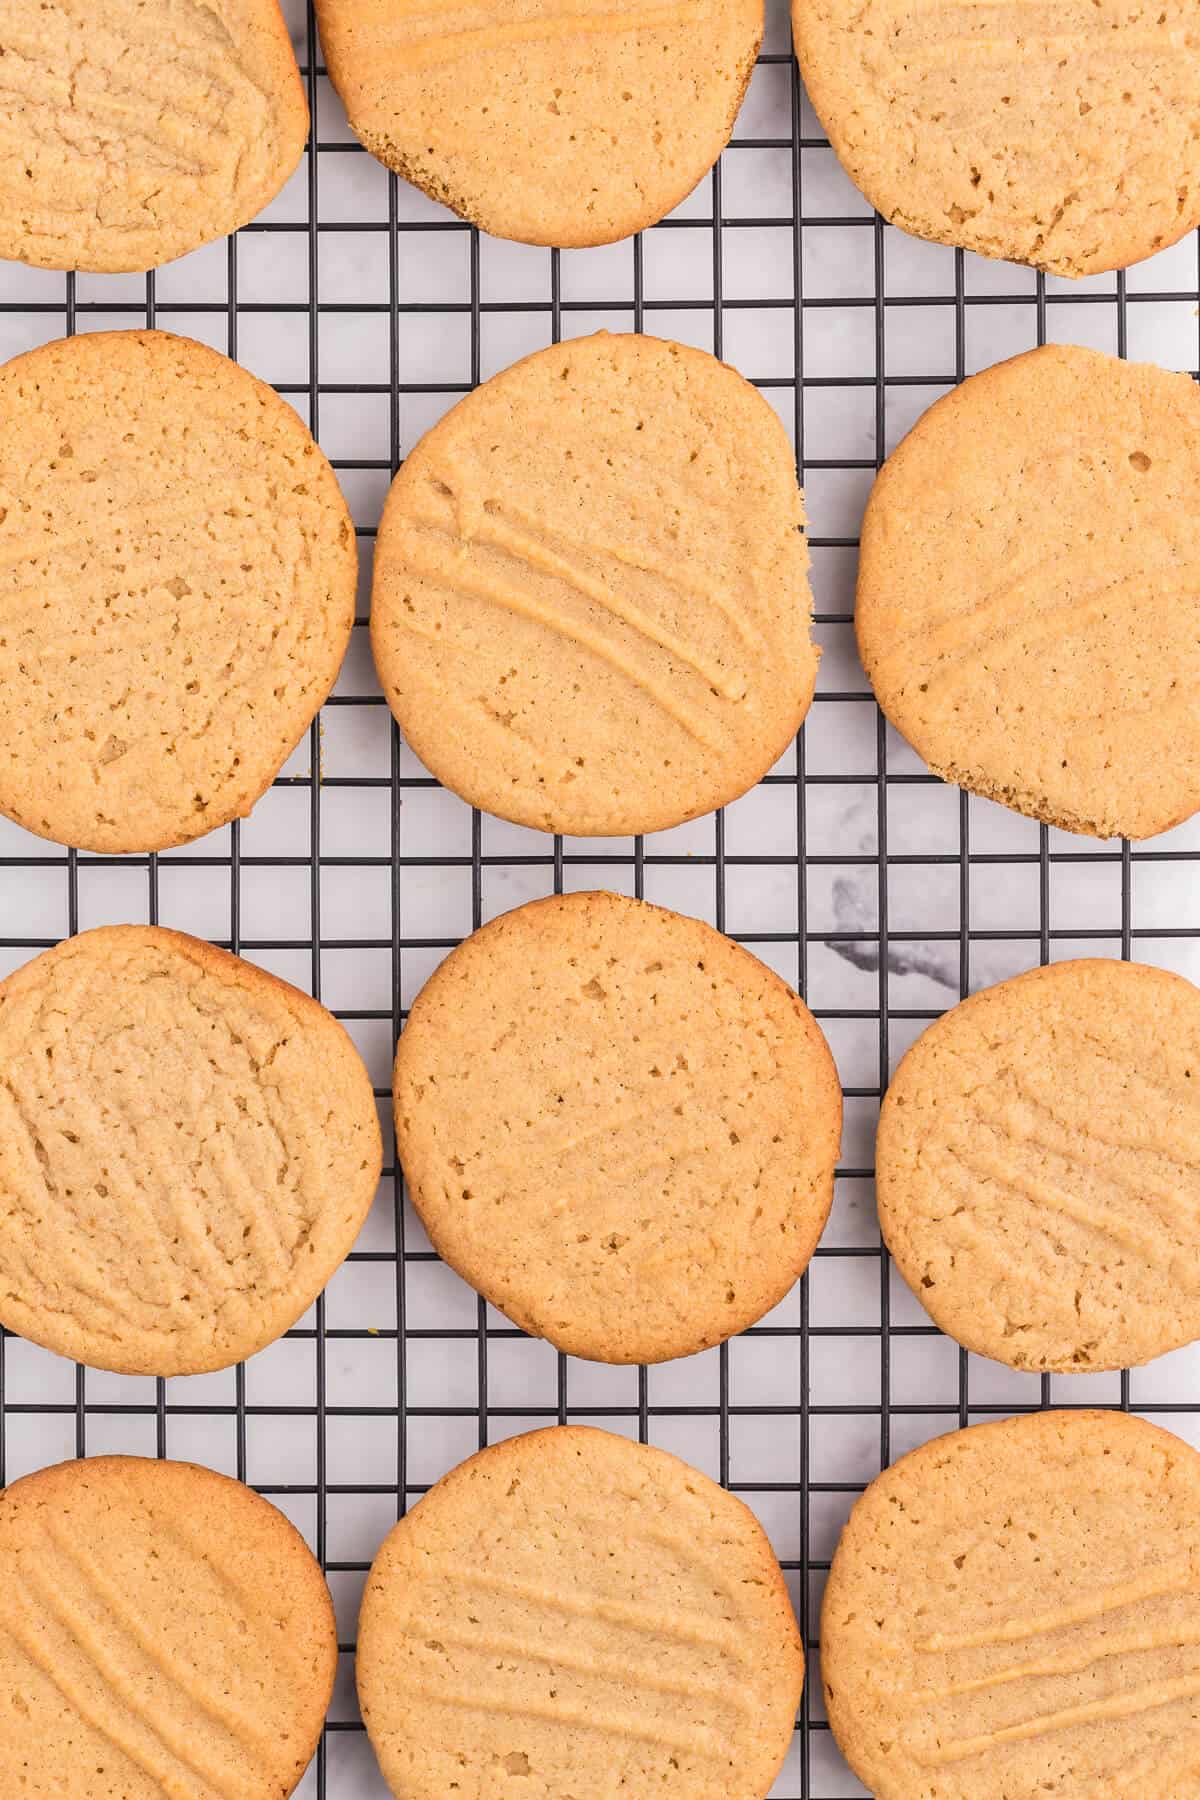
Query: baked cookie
{"type": "Point", "coordinates": [1062, 133]}
{"type": "Point", "coordinates": [1013, 1610]}
{"type": "Point", "coordinates": [591, 610]}
{"type": "Point", "coordinates": [166, 1631]}
{"type": "Point", "coordinates": [177, 585]}
{"type": "Point", "coordinates": [1038, 1167]}
{"type": "Point", "coordinates": [188, 1148]}
{"type": "Point", "coordinates": [570, 1613]}
{"type": "Point", "coordinates": [1027, 590]}
{"type": "Point", "coordinates": [551, 124]}
{"type": "Point", "coordinates": [131, 134]}
{"type": "Point", "coordinates": [617, 1125]}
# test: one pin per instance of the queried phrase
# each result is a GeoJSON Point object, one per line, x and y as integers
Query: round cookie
{"type": "Point", "coordinates": [552, 124]}
{"type": "Point", "coordinates": [166, 1631]}
{"type": "Point", "coordinates": [133, 134]}
{"type": "Point", "coordinates": [585, 1614]}
{"type": "Point", "coordinates": [177, 585]}
{"type": "Point", "coordinates": [188, 1148]}
{"type": "Point", "coordinates": [591, 610]}
{"type": "Point", "coordinates": [1063, 133]}
{"type": "Point", "coordinates": [1027, 590]}
{"type": "Point", "coordinates": [1038, 1167]}
{"type": "Point", "coordinates": [617, 1125]}
{"type": "Point", "coordinates": [1013, 1610]}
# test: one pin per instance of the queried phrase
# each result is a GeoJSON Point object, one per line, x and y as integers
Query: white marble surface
{"type": "Point", "coordinates": [838, 892]}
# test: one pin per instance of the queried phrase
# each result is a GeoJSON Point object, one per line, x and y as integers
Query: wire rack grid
{"type": "Point", "coordinates": [883, 895]}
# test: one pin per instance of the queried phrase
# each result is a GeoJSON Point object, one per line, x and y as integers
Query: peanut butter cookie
{"type": "Point", "coordinates": [1062, 133]}
{"type": "Point", "coordinates": [177, 584]}
{"type": "Point", "coordinates": [1027, 590]}
{"type": "Point", "coordinates": [188, 1149]}
{"type": "Point", "coordinates": [165, 1631]}
{"type": "Point", "coordinates": [131, 134]}
{"type": "Point", "coordinates": [554, 123]}
{"type": "Point", "coordinates": [618, 1125]}
{"type": "Point", "coordinates": [1038, 1167]}
{"type": "Point", "coordinates": [591, 610]}
{"type": "Point", "coordinates": [1014, 1610]}
{"type": "Point", "coordinates": [569, 1613]}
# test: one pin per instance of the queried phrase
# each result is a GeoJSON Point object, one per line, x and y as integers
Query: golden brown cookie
{"type": "Point", "coordinates": [177, 584]}
{"type": "Point", "coordinates": [1062, 133]}
{"type": "Point", "coordinates": [188, 1148]}
{"type": "Point", "coordinates": [564, 122]}
{"type": "Point", "coordinates": [1014, 1610]}
{"type": "Point", "coordinates": [166, 1632]}
{"type": "Point", "coordinates": [1038, 1167]}
{"type": "Point", "coordinates": [1027, 590]}
{"type": "Point", "coordinates": [591, 608]}
{"type": "Point", "coordinates": [618, 1125]}
{"type": "Point", "coordinates": [131, 134]}
{"type": "Point", "coordinates": [569, 1616]}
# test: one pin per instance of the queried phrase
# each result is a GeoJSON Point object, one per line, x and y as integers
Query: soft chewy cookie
{"type": "Point", "coordinates": [569, 1613]}
{"type": "Point", "coordinates": [553, 124]}
{"type": "Point", "coordinates": [591, 607]}
{"type": "Point", "coordinates": [165, 1631]}
{"type": "Point", "coordinates": [177, 582]}
{"type": "Point", "coordinates": [618, 1125]}
{"type": "Point", "coordinates": [1014, 1610]}
{"type": "Point", "coordinates": [1038, 1167]}
{"type": "Point", "coordinates": [1027, 590]}
{"type": "Point", "coordinates": [188, 1148]}
{"type": "Point", "coordinates": [132, 133]}
{"type": "Point", "coordinates": [1062, 133]}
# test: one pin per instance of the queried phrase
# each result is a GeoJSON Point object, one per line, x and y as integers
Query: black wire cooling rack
{"type": "Point", "coordinates": [870, 906]}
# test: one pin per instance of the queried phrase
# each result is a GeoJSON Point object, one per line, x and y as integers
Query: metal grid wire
{"type": "Point", "coordinates": [881, 894]}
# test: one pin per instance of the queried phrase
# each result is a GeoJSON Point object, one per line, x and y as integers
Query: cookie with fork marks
{"type": "Point", "coordinates": [188, 1150]}
{"type": "Point", "coordinates": [178, 572]}
{"type": "Point", "coordinates": [618, 1125]}
{"type": "Point", "coordinates": [567, 122]}
{"type": "Point", "coordinates": [569, 1614]}
{"type": "Point", "coordinates": [1038, 1167]}
{"type": "Point", "coordinates": [1014, 1610]}
{"type": "Point", "coordinates": [1061, 133]}
{"type": "Point", "coordinates": [166, 1631]}
{"type": "Point", "coordinates": [591, 610]}
{"type": "Point", "coordinates": [1028, 590]}
{"type": "Point", "coordinates": [131, 134]}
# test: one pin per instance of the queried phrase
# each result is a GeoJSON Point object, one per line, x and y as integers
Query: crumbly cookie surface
{"type": "Point", "coordinates": [1062, 133]}
{"type": "Point", "coordinates": [552, 123]}
{"type": "Point", "coordinates": [1014, 1610]}
{"type": "Point", "coordinates": [618, 1125]}
{"type": "Point", "coordinates": [177, 584]}
{"type": "Point", "coordinates": [132, 134]}
{"type": "Point", "coordinates": [569, 1613]}
{"type": "Point", "coordinates": [1027, 590]}
{"type": "Point", "coordinates": [188, 1149]}
{"type": "Point", "coordinates": [1038, 1167]}
{"type": "Point", "coordinates": [165, 1631]}
{"type": "Point", "coordinates": [591, 610]}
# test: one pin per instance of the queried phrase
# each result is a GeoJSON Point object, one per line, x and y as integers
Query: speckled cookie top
{"type": "Point", "coordinates": [567, 122]}
{"type": "Point", "coordinates": [177, 582]}
{"type": "Point", "coordinates": [1027, 590]}
{"type": "Point", "coordinates": [131, 134]}
{"type": "Point", "coordinates": [572, 1614]}
{"type": "Point", "coordinates": [618, 1125]}
{"type": "Point", "coordinates": [188, 1148]}
{"type": "Point", "coordinates": [165, 1632]}
{"type": "Point", "coordinates": [1014, 1610]}
{"type": "Point", "coordinates": [1062, 133]}
{"type": "Point", "coordinates": [1038, 1167]}
{"type": "Point", "coordinates": [591, 610]}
